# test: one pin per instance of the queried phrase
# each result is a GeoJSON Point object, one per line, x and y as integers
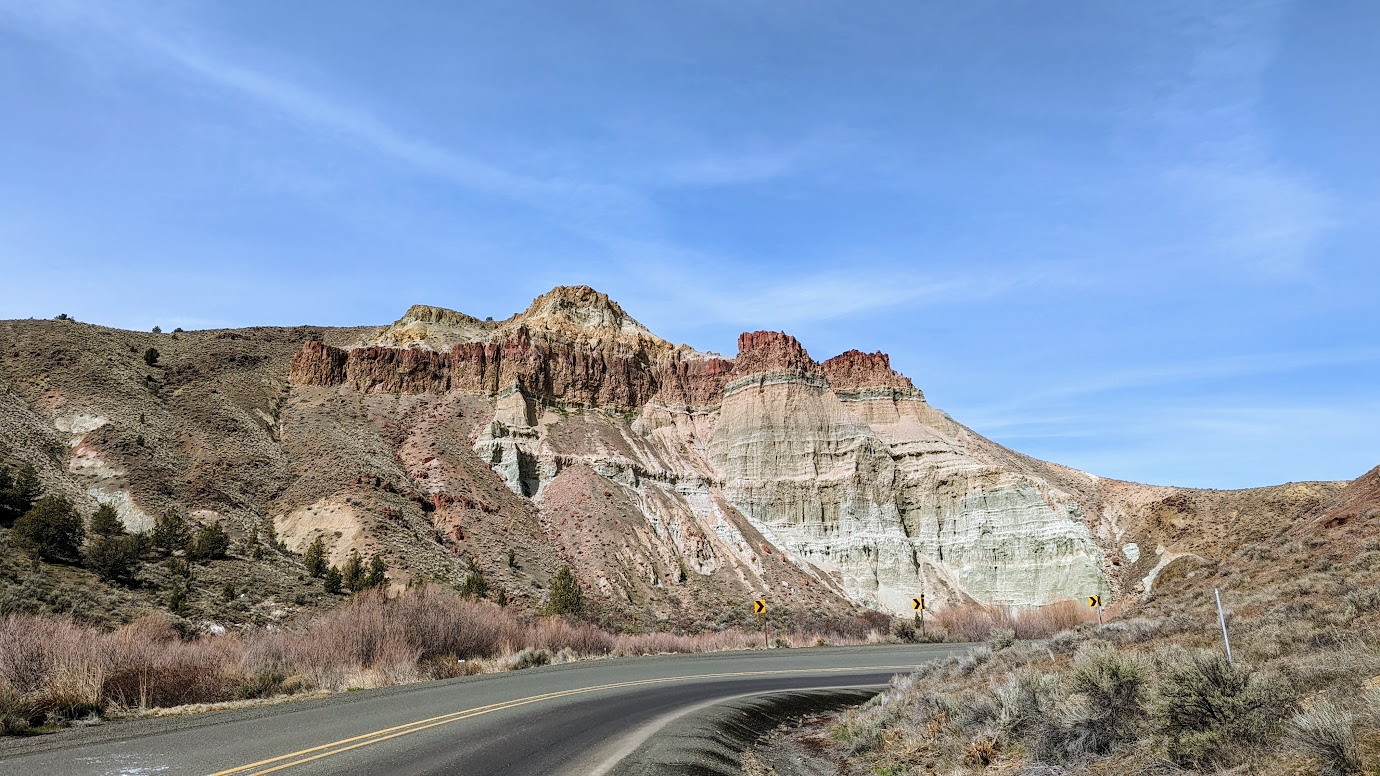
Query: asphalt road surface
{"type": "Point", "coordinates": [579, 718]}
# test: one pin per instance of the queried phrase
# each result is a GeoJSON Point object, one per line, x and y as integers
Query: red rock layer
{"type": "Point", "coordinates": [694, 383]}
{"type": "Point", "coordinates": [772, 351]}
{"type": "Point", "coordinates": [391, 370]}
{"type": "Point", "coordinates": [553, 370]}
{"type": "Point", "coordinates": [318, 364]}
{"type": "Point", "coordinates": [856, 369]}
{"type": "Point", "coordinates": [605, 374]}
{"type": "Point", "coordinates": [576, 372]}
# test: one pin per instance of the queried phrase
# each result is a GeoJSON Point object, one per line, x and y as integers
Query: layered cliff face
{"type": "Point", "coordinates": [679, 485]}
{"type": "Point", "coordinates": [852, 470]}
{"type": "Point", "coordinates": [841, 467]}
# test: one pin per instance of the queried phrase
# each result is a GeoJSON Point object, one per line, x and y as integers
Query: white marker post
{"type": "Point", "coordinates": [1223, 619]}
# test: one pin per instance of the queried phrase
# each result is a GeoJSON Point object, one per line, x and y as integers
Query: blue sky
{"type": "Point", "coordinates": [1135, 238]}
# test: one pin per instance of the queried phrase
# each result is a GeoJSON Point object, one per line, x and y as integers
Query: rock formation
{"type": "Point", "coordinates": [678, 484]}
{"type": "Point", "coordinates": [841, 466]}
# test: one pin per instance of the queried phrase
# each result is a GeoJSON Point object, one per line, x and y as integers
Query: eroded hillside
{"type": "Point", "coordinates": [677, 484]}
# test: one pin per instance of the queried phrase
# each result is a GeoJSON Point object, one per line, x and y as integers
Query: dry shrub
{"type": "Point", "coordinates": [50, 667]}
{"type": "Point", "coordinates": [671, 643]}
{"type": "Point", "coordinates": [977, 623]}
{"type": "Point", "coordinates": [1045, 621]}
{"type": "Point", "coordinates": [1107, 690]}
{"type": "Point", "coordinates": [1325, 733]}
{"type": "Point", "coordinates": [54, 669]}
{"type": "Point", "coordinates": [529, 658]}
{"type": "Point", "coordinates": [152, 665]}
{"type": "Point", "coordinates": [981, 752]}
{"type": "Point", "coordinates": [966, 623]}
{"type": "Point", "coordinates": [557, 634]}
{"type": "Point", "coordinates": [1212, 710]}
{"type": "Point", "coordinates": [375, 641]}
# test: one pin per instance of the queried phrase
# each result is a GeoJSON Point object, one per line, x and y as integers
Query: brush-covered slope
{"type": "Point", "coordinates": [677, 484]}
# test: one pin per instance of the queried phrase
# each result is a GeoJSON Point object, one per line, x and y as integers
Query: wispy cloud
{"type": "Point", "coordinates": [578, 202]}
{"type": "Point", "coordinates": [1205, 136]}
{"type": "Point", "coordinates": [1050, 406]}
{"type": "Point", "coordinates": [1259, 217]}
{"type": "Point", "coordinates": [1206, 443]}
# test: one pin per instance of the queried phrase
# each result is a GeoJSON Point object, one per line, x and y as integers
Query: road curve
{"type": "Point", "coordinates": [578, 718]}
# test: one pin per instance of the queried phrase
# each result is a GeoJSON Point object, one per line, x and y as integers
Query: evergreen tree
{"type": "Point", "coordinates": [115, 558]}
{"type": "Point", "coordinates": [377, 574]}
{"type": "Point", "coordinates": [52, 529]}
{"type": "Point", "coordinates": [331, 584]}
{"type": "Point", "coordinates": [170, 533]}
{"type": "Point", "coordinates": [151, 356]}
{"type": "Point", "coordinates": [177, 597]}
{"type": "Point", "coordinates": [566, 595]}
{"type": "Point", "coordinates": [475, 586]}
{"type": "Point", "coordinates": [210, 543]}
{"type": "Point", "coordinates": [106, 522]}
{"type": "Point", "coordinates": [315, 558]}
{"type": "Point", "coordinates": [352, 575]}
{"type": "Point", "coordinates": [19, 491]}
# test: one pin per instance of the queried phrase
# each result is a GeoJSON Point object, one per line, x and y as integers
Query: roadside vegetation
{"type": "Point", "coordinates": [63, 657]}
{"type": "Point", "coordinates": [55, 670]}
{"type": "Point", "coordinates": [1149, 693]}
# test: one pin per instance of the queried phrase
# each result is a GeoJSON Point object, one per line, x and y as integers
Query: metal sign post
{"type": "Point", "coordinates": [759, 608]}
{"type": "Point", "coordinates": [1221, 618]}
{"type": "Point", "coordinates": [918, 604]}
{"type": "Point", "coordinates": [1095, 601]}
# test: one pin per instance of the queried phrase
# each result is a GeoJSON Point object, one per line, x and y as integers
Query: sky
{"type": "Point", "coordinates": [1134, 238]}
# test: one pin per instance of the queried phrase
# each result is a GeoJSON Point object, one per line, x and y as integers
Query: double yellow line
{"type": "Point", "coordinates": [303, 756]}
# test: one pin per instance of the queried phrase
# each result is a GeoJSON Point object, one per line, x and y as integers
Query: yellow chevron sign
{"type": "Point", "coordinates": [759, 607]}
{"type": "Point", "coordinates": [917, 603]}
{"type": "Point", "coordinates": [1094, 601]}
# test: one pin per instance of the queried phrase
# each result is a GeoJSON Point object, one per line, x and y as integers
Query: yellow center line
{"type": "Point", "coordinates": [346, 744]}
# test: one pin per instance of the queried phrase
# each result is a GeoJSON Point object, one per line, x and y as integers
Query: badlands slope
{"type": "Point", "coordinates": [677, 484]}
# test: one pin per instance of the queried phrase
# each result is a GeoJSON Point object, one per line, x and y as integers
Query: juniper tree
{"type": "Point", "coordinates": [210, 543]}
{"type": "Point", "coordinates": [170, 533]}
{"type": "Point", "coordinates": [19, 490]}
{"type": "Point", "coordinates": [377, 574]}
{"type": "Point", "coordinates": [566, 595]}
{"type": "Point", "coordinates": [314, 559]}
{"type": "Point", "coordinates": [332, 582]}
{"type": "Point", "coordinates": [115, 558]}
{"type": "Point", "coordinates": [475, 586]}
{"type": "Point", "coordinates": [51, 529]}
{"type": "Point", "coordinates": [352, 575]}
{"type": "Point", "coordinates": [106, 522]}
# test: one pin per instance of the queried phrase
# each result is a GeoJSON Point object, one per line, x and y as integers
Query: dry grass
{"type": "Point", "coordinates": [1140, 695]}
{"type": "Point", "coordinates": [978, 623]}
{"type": "Point", "coordinates": [53, 670]}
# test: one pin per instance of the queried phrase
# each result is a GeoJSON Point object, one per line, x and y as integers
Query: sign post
{"type": "Point", "coordinates": [1095, 601]}
{"type": "Point", "coordinates": [759, 608]}
{"type": "Point", "coordinates": [1222, 618]}
{"type": "Point", "coordinates": [918, 604]}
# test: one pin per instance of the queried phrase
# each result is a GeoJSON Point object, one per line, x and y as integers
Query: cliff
{"type": "Point", "coordinates": [678, 484]}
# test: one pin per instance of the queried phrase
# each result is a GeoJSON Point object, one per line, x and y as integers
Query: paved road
{"type": "Point", "coordinates": [579, 718]}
